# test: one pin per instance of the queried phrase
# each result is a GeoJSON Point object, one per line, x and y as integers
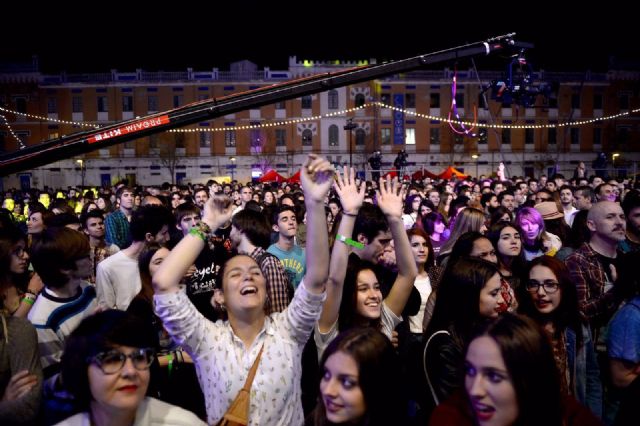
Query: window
{"type": "Point", "coordinates": [130, 144]}
{"type": "Point", "coordinates": [385, 98]}
{"type": "Point", "coordinates": [481, 103]}
{"type": "Point", "coordinates": [333, 135]}
{"type": "Point", "coordinates": [178, 100]}
{"type": "Point", "coordinates": [385, 136]}
{"type": "Point", "coordinates": [333, 99]}
{"type": "Point", "coordinates": [180, 139]}
{"type": "Point", "coordinates": [21, 105]}
{"type": "Point", "coordinates": [52, 105]}
{"type": "Point", "coordinates": [434, 137]}
{"type": "Point", "coordinates": [434, 100]}
{"type": "Point", "coordinates": [307, 137]}
{"type": "Point", "coordinates": [102, 104]}
{"type": "Point", "coordinates": [624, 100]}
{"type": "Point", "coordinates": [359, 100]}
{"type": "Point", "coordinates": [460, 99]}
{"type": "Point", "coordinates": [575, 136]}
{"type": "Point", "coordinates": [152, 103]}
{"type": "Point", "coordinates": [622, 134]}
{"type": "Point", "coordinates": [153, 142]}
{"type": "Point", "coordinates": [360, 136]}
{"type": "Point", "coordinates": [127, 103]}
{"type": "Point", "coordinates": [281, 137]}
{"type": "Point", "coordinates": [410, 136]}
{"type": "Point", "coordinates": [410, 100]}
{"type": "Point", "coordinates": [575, 101]}
{"type": "Point", "coordinates": [76, 104]}
{"type": "Point", "coordinates": [482, 137]}
{"type": "Point", "coordinates": [553, 136]}
{"type": "Point", "coordinates": [506, 136]}
{"type": "Point", "coordinates": [255, 140]}
{"type": "Point", "coordinates": [597, 136]}
{"type": "Point", "coordinates": [552, 102]}
{"type": "Point", "coordinates": [205, 139]}
{"type": "Point", "coordinates": [528, 136]}
{"type": "Point", "coordinates": [280, 105]}
{"type": "Point", "coordinates": [306, 102]}
{"type": "Point", "coordinates": [229, 138]}
{"type": "Point", "coordinates": [597, 101]}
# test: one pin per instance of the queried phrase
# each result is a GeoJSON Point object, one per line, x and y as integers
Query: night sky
{"type": "Point", "coordinates": [127, 36]}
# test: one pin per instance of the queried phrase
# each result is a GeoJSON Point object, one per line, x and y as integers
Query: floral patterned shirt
{"type": "Point", "coordinates": [223, 362]}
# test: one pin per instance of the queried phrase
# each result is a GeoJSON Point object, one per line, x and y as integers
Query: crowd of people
{"type": "Point", "coordinates": [488, 301]}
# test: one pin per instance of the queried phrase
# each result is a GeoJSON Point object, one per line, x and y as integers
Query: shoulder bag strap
{"type": "Point", "coordinates": [252, 372]}
{"type": "Point", "coordinates": [424, 365]}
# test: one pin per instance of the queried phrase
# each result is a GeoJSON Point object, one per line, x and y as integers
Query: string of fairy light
{"type": "Point", "coordinates": [21, 144]}
{"type": "Point", "coordinates": [456, 121]}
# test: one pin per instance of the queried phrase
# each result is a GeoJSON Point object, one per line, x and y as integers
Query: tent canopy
{"type": "Point", "coordinates": [452, 171]}
{"type": "Point", "coordinates": [272, 176]}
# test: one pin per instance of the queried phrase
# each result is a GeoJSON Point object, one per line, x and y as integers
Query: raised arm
{"type": "Point", "coordinates": [390, 202]}
{"type": "Point", "coordinates": [217, 211]}
{"type": "Point", "coordinates": [316, 178]}
{"type": "Point", "coordinates": [351, 199]}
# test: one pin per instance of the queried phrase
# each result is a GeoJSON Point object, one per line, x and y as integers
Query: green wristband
{"type": "Point", "coordinates": [195, 231]}
{"type": "Point", "coordinates": [349, 241]}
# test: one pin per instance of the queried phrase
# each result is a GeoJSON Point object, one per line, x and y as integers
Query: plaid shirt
{"type": "Point", "coordinates": [277, 280]}
{"type": "Point", "coordinates": [590, 279]}
{"type": "Point", "coordinates": [117, 229]}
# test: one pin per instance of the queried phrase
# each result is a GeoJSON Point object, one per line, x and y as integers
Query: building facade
{"type": "Point", "coordinates": [406, 111]}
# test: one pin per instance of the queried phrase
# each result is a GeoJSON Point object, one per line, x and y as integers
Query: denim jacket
{"type": "Point", "coordinates": [584, 370]}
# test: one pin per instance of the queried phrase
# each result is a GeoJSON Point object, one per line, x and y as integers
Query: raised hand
{"type": "Point", "coordinates": [19, 385]}
{"type": "Point", "coordinates": [389, 198]}
{"type": "Point", "coordinates": [217, 211]}
{"type": "Point", "coordinates": [316, 178]}
{"type": "Point", "coordinates": [351, 197]}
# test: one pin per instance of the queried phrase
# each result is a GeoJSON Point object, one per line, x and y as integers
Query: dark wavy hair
{"type": "Point", "coordinates": [515, 264]}
{"type": "Point", "coordinates": [457, 307]}
{"type": "Point", "coordinates": [348, 316]}
{"type": "Point", "coordinates": [567, 313]}
{"type": "Point", "coordinates": [378, 372]}
{"type": "Point", "coordinates": [528, 356]}
{"type": "Point", "coordinates": [95, 334]}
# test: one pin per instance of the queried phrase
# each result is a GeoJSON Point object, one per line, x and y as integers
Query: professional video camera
{"type": "Point", "coordinates": [518, 86]}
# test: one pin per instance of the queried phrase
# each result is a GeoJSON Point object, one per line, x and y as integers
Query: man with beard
{"type": "Point", "coordinates": [566, 199]}
{"type": "Point", "coordinates": [593, 265]}
{"type": "Point", "coordinates": [631, 208]}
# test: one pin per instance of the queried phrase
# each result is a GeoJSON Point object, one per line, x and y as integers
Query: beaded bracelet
{"type": "Point", "coordinates": [201, 230]}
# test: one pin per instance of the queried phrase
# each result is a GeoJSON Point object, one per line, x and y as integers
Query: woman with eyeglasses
{"type": "Point", "coordinates": [18, 287]}
{"type": "Point", "coordinates": [550, 298]}
{"type": "Point", "coordinates": [106, 367]}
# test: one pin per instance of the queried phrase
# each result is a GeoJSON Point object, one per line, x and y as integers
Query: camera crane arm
{"type": "Point", "coordinates": [86, 141]}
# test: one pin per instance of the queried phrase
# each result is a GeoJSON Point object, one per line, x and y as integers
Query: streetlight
{"type": "Point", "coordinates": [82, 170]}
{"type": "Point", "coordinates": [350, 126]}
{"type": "Point", "coordinates": [233, 168]}
{"type": "Point", "coordinates": [613, 157]}
{"type": "Point", "coordinates": [475, 157]}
